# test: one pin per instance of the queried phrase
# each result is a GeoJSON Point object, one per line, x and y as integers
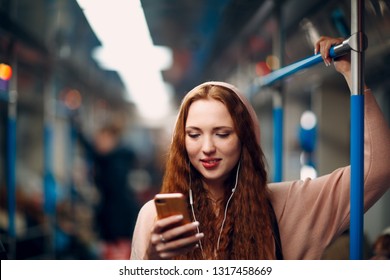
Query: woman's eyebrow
{"type": "Point", "coordinates": [214, 128]}
{"type": "Point", "coordinates": [223, 127]}
{"type": "Point", "coordinates": [192, 127]}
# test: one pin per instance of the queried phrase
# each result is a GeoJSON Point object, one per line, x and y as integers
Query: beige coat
{"type": "Point", "coordinates": [312, 213]}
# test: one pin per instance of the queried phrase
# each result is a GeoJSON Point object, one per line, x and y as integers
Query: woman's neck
{"type": "Point", "coordinates": [215, 190]}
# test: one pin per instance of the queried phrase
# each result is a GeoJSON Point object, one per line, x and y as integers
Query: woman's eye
{"type": "Point", "coordinates": [223, 135]}
{"type": "Point", "coordinates": [193, 135]}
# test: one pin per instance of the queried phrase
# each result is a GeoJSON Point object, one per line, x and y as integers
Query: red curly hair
{"type": "Point", "coordinates": [247, 232]}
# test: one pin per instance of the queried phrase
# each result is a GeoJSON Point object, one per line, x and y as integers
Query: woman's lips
{"type": "Point", "coordinates": [210, 163]}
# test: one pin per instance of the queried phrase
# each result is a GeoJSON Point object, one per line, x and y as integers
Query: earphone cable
{"type": "Point", "coordinates": [192, 207]}
{"type": "Point", "coordinates": [226, 207]}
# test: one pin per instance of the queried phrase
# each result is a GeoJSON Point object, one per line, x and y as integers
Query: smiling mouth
{"type": "Point", "coordinates": [210, 163]}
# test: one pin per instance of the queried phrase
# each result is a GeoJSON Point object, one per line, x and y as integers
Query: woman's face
{"type": "Point", "coordinates": [211, 140]}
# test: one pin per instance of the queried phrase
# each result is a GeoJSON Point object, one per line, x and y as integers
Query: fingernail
{"type": "Point", "coordinates": [179, 217]}
{"type": "Point", "coordinates": [196, 223]}
{"type": "Point", "coordinates": [199, 234]}
{"type": "Point", "coordinates": [315, 51]}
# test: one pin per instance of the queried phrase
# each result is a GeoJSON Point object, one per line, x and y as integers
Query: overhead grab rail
{"type": "Point", "coordinates": [355, 42]}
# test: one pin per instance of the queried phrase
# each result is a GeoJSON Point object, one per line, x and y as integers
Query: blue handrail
{"type": "Point", "coordinates": [293, 68]}
{"type": "Point", "coordinates": [357, 178]}
{"type": "Point", "coordinates": [357, 131]}
{"type": "Point", "coordinates": [278, 143]}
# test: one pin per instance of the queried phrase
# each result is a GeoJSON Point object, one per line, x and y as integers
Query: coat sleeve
{"type": "Point", "coordinates": [312, 213]}
{"type": "Point", "coordinates": [141, 236]}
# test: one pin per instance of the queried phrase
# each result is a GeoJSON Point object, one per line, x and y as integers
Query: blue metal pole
{"type": "Point", "coordinates": [11, 171]}
{"type": "Point", "coordinates": [357, 178]}
{"type": "Point", "coordinates": [290, 69]}
{"type": "Point", "coordinates": [295, 67]}
{"type": "Point", "coordinates": [278, 143]}
{"type": "Point", "coordinates": [49, 181]}
{"type": "Point", "coordinates": [11, 92]}
{"type": "Point", "coordinates": [357, 131]}
{"type": "Point", "coordinates": [72, 138]}
{"type": "Point", "coordinates": [278, 99]}
{"type": "Point", "coordinates": [49, 178]}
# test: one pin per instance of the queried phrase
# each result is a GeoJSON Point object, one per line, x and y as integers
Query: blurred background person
{"type": "Point", "coordinates": [3, 253]}
{"type": "Point", "coordinates": [339, 249]}
{"type": "Point", "coordinates": [110, 165]}
{"type": "Point", "coordinates": [381, 246]}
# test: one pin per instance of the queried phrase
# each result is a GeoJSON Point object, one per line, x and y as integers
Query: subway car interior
{"type": "Point", "coordinates": [54, 85]}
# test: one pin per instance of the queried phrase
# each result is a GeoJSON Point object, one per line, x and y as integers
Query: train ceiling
{"type": "Point", "coordinates": [202, 33]}
{"type": "Point", "coordinates": [207, 37]}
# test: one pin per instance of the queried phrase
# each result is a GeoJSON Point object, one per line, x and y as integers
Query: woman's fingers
{"type": "Point", "coordinates": [179, 237]}
{"type": "Point", "coordinates": [178, 246]}
{"type": "Point", "coordinates": [161, 224]}
{"type": "Point", "coordinates": [323, 46]}
{"type": "Point", "coordinates": [180, 231]}
{"type": "Point", "coordinates": [170, 238]}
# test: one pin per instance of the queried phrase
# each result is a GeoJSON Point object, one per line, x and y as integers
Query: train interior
{"type": "Point", "coordinates": [56, 80]}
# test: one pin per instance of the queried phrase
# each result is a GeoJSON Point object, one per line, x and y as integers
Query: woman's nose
{"type": "Point", "coordinates": [208, 145]}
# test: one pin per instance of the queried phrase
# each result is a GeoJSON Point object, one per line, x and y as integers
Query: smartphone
{"type": "Point", "coordinates": [168, 204]}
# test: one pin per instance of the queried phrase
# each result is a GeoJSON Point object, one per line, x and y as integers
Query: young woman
{"type": "Point", "coordinates": [216, 161]}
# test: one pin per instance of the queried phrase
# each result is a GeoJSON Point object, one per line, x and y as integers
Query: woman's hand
{"type": "Point", "coordinates": [342, 64]}
{"type": "Point", "coordinates": [168, 239]}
